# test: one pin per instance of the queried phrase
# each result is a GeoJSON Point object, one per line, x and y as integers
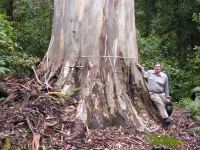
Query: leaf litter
{"type": "Point", "coordinates": [32, 119]}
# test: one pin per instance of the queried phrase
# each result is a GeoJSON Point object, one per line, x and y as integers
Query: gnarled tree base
{"type": "Point", "coordinates": [108, 95]}
{"type": "Point", "coordinates": [93, 51]}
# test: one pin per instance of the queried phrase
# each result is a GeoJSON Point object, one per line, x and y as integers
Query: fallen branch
{"type": "Point", "coordinates": [62, 134]}
{"type": "Point", "coordinates": [29, 124]}
{"type": "Point", "coordinates": [36, 76]}
{"type": "Point", "coordinates": [36, 141]}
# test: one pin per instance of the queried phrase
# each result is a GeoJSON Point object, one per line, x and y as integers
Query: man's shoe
{"type": "Point", "coordinates": [169, 109]}
{"type": "Point", "coordinates": [167, 121]}
{"type": "Point", "coordinates": [160, 148]}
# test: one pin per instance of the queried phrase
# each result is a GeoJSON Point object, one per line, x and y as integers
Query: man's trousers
{"type": "Point", "coordinates": [159, 100]}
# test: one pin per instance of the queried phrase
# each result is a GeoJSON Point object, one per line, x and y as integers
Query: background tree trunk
{"type": "Point", "coordinates": [3, 90]}
{"type": "Point", "coordinates": [9, 9]}
{"type": "Point", "coordinates": [93, 48]}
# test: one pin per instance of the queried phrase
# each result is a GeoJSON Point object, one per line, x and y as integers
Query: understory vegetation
{"type": "Point", "coordinates": [164, 140]}
{"type": "Point", "coordinates": [25, 29]}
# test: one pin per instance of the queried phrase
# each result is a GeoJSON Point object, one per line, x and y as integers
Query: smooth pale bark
{"type": "Point", "coordinates": [93, 48]}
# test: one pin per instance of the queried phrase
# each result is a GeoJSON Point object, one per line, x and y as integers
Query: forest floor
{"type": "Point", "coordinates": [31, 118]}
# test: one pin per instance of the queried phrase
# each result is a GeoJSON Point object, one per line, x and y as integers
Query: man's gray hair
{"type": "Point", "coordinates": [157, 62]}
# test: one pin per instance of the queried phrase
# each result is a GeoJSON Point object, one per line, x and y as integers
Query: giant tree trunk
{"type": "Point", "coordinates": [93, 48]}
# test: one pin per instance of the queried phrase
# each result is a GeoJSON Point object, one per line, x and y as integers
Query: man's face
{"type": "Point", "coordinates": [157, 68]}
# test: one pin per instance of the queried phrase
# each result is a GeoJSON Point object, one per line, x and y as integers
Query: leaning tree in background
{"type": "Point", "coordinates": [93, 47]}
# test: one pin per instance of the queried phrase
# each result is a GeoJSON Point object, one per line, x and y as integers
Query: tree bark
{"type": "Point", "coordinates": [93, 47]}
{"type": "Point", "coordinates": [9, 10]}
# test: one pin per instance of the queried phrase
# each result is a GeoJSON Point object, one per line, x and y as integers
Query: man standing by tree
{"type": "Point", "coordinates": [158, 89]}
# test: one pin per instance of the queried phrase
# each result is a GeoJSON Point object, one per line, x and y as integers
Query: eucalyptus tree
{"type": "Point", "coordinates": [93, 47]}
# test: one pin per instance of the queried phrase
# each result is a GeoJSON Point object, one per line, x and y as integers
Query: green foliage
{"type": "Point", "coordinates": [12, 61]}
{"type": "Point", "coordinates": [6, 145]}
{"type": "Point", "coordinates": [195, 93]}
{"type": "Point", "coordinates": [7, 37]}
{"type": "Point", "coordinates": [196, 129]}
{"type": "Point", "coordinates": [13, 104]}
{"type": "Point", "coordinates": [194, 61]}
{"type": "Point", "coordinates": [181, 80]}
{"type": "Point", "coordinates": [194, 107]}
{"type": "Point", "coordinates": [196, 18]}
{"type": "Point", "coordinates": [3, 69]}
{"type": "Point", "coordinates": [191, 106]}
{"type": "Point", "coordinates": [30, 29]}
{"type": "Point", "coordinates": [172, 22]}
{"type": "Point", "coordinates": [20, 63]}
{"type": "Point", "coordinates": [164, 140]}
{"type": "Point", "coordinates": [33, 20]}
{"type": "Point", "coordinates": [7, 42]}
{"type": "Point", "coordinates": [149, 49]}
{"type": "Point", "coordinates": [197, 117]}
{"type": "Point", "coordinates": [184, 102]}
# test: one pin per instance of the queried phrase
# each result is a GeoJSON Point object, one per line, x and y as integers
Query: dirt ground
{"type": "Point", "coordinates": [30, 119]}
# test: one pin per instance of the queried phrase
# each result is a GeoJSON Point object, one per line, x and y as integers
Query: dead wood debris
{"type": "Point", "coordinates": [34, 119]}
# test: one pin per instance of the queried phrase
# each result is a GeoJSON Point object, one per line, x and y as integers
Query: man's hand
{"type": "Point", "coordinates": [139, 66]}
{"type": "Point", "coordinates": [168, 100]}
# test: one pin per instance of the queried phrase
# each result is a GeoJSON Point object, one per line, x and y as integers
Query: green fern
{"type": "Point", "coordinates": [164, 140]}
{"type": "Point", "coordinates": [20, 63]}
{"type": "Point", "coordinates": [194, 106]}
{"type": "Point", "coordinates": [3, 70]}
{"type": "Point", "coordinates": [197, 117]}
{"type": "Point", "coordinates": [196, 92]}
{"type": "Point", "coordinates": [196, 129]}
{"type": "Point", "coordinates": [184, 102]}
